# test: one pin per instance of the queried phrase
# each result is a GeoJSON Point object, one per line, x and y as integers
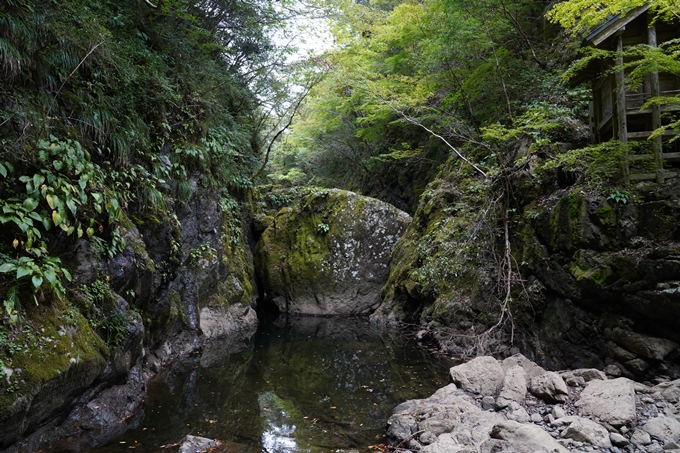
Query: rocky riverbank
{"type": "Point", "coordinates": [515, 405]}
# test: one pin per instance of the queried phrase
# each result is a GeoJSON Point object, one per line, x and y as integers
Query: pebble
{"type": "Point", "coordinates": [536, 418]}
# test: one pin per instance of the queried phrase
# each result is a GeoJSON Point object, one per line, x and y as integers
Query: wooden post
{"type": "Point", "coordinates": [657, 146]}
{"type": "Point", "coordinates": [621, 123]}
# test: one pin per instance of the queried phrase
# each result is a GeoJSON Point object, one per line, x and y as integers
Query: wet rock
{"type": "Point", "coordinates": [196, 444]}
{"type": "Point", "coordinates": [611, 401]}
{"type": "Point", "coordinates": [526, 434]}
{"type": "Point", "coordinates": [482, 375]}
{"type": "Point", "coordinates": [663, 428]}
{"type": "Point", "coordinates": [549, 387]}
{"type": "Point", "coordinates": [584, 430]}
{"type": "Point", "coordinates": [330, 254]}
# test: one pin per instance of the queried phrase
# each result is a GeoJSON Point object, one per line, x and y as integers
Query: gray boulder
{"type": "Point", "coordinates": [514, 386]}
{"type": "Point", "coordinates": [640, 437]}
{"type": "Point", "coordinates": [550, 387]}
{"type": "Point", "coordinates": [482, 375]}
{"type": "Point", "coordinates": [526, 434]}
{"type": "Point", "coordinates": [584, 430]}
{"type": "Point", "coordinates": [663, 428]}
{"type": "Point", "coordinates": [330, 254]}
{"type": "Point", "coordinates": [670, 391]}
{"type": "Point", "coordinates": [611, 401]}
{"type": "Point", "coordinates": [531, 370]}
{"type": "Point", "coordinates": [582, 376]}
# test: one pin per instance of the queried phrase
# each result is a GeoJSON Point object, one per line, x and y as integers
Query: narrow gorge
{"type": "Point", "coordinates": [322, 225]}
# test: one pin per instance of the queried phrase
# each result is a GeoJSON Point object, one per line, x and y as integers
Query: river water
{"type": "Point", "coordinates": [297, 385]}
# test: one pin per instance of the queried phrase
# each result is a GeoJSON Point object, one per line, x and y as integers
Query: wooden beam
{"type": "Point", "coordinates": [618, 26]}
{"type": "Point", "coordinates": [656, 111]}
{"type": "Point", "coordinates": [621, 125]}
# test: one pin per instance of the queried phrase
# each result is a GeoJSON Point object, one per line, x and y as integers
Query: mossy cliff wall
{"type": "Point", "coordinates": [594, 282]}
{"type": "Point", "coordinates": [186, 274]}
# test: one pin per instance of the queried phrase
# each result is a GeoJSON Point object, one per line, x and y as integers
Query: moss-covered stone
{"type": "Point", "coordinates": [57, 356]}
{"type": "Point", "coordinates": [329, 254]}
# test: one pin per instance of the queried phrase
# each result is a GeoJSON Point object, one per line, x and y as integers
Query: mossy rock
{"type": "Point", "coordinates": [61, 357]}
{"type": "Point", "coordinates": [330, 254]}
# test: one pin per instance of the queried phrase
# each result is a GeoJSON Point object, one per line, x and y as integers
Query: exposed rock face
{"type": "Point", "coordinates": [601, 283]}
{"type": "Point", "coordinates": [179, 280]}
{"type": "Point", "coordinates": [602, 415]}
{"type": "Point", "coordinates": [330, 254]}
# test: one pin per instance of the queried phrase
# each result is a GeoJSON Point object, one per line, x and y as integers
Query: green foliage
{"type": "Point", "coordinates": [111, 108]}
{"type": "Point", "coordinates": [619, 196]}
{"type": "Point", "coordinates": [104, 315]}
{"type": "Point", "coordinates": [407, 75]}
{"type": "Point", "coordinates": [599, 164]}
{"type": "Point", "coordinates": [579, 16]}
{"type": "Point", "coordinates": [200, 252]}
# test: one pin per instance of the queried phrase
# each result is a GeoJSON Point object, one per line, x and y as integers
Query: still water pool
{"type": "Point", "coordinates": [297, 385]}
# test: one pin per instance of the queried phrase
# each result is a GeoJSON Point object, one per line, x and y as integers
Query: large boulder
{"type": "Point", "coordinates": [663, 428]}
{"type": "Point", "coordinates": [330, 254]}
{"type": "Point", "coordinates": [611, 401]}
{"type": "Point", "coordinates": [482, 375]}
{"type": "Point", "coordinates": [549, 387]}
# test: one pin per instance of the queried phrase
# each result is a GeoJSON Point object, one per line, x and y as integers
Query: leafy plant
{"type": "Point", "coordinates": [620, 196]}
{"type": "Point", "coordinates": [199, 252]}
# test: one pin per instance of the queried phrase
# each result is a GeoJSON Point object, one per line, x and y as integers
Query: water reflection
{"type": "Point", "coordinates": [299, 385]}
{"type": "Point", "coordinates": [278, 431]}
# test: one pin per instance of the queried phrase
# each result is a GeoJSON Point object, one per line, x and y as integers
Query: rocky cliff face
{"type": "Point", "coordinates": [594, 277]}
{"type": "Point", "coordinates": [185, 275]}
{"type": "Point", "coordinates": [329, 254]}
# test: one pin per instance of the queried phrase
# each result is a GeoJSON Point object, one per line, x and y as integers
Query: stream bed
{"type": "Point", "coordinates": [297, 385]}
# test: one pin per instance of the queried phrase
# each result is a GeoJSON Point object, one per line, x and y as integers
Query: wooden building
{"type": "Point", "coordinates": [616, 111]}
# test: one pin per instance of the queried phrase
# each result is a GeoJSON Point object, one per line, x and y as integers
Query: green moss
{"type": "Point", "coordinates": [51, 340]}
{"type": "Point", "coordinates": [590, 266]}
{"type": "Point", "coordinates": [574, 205]}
